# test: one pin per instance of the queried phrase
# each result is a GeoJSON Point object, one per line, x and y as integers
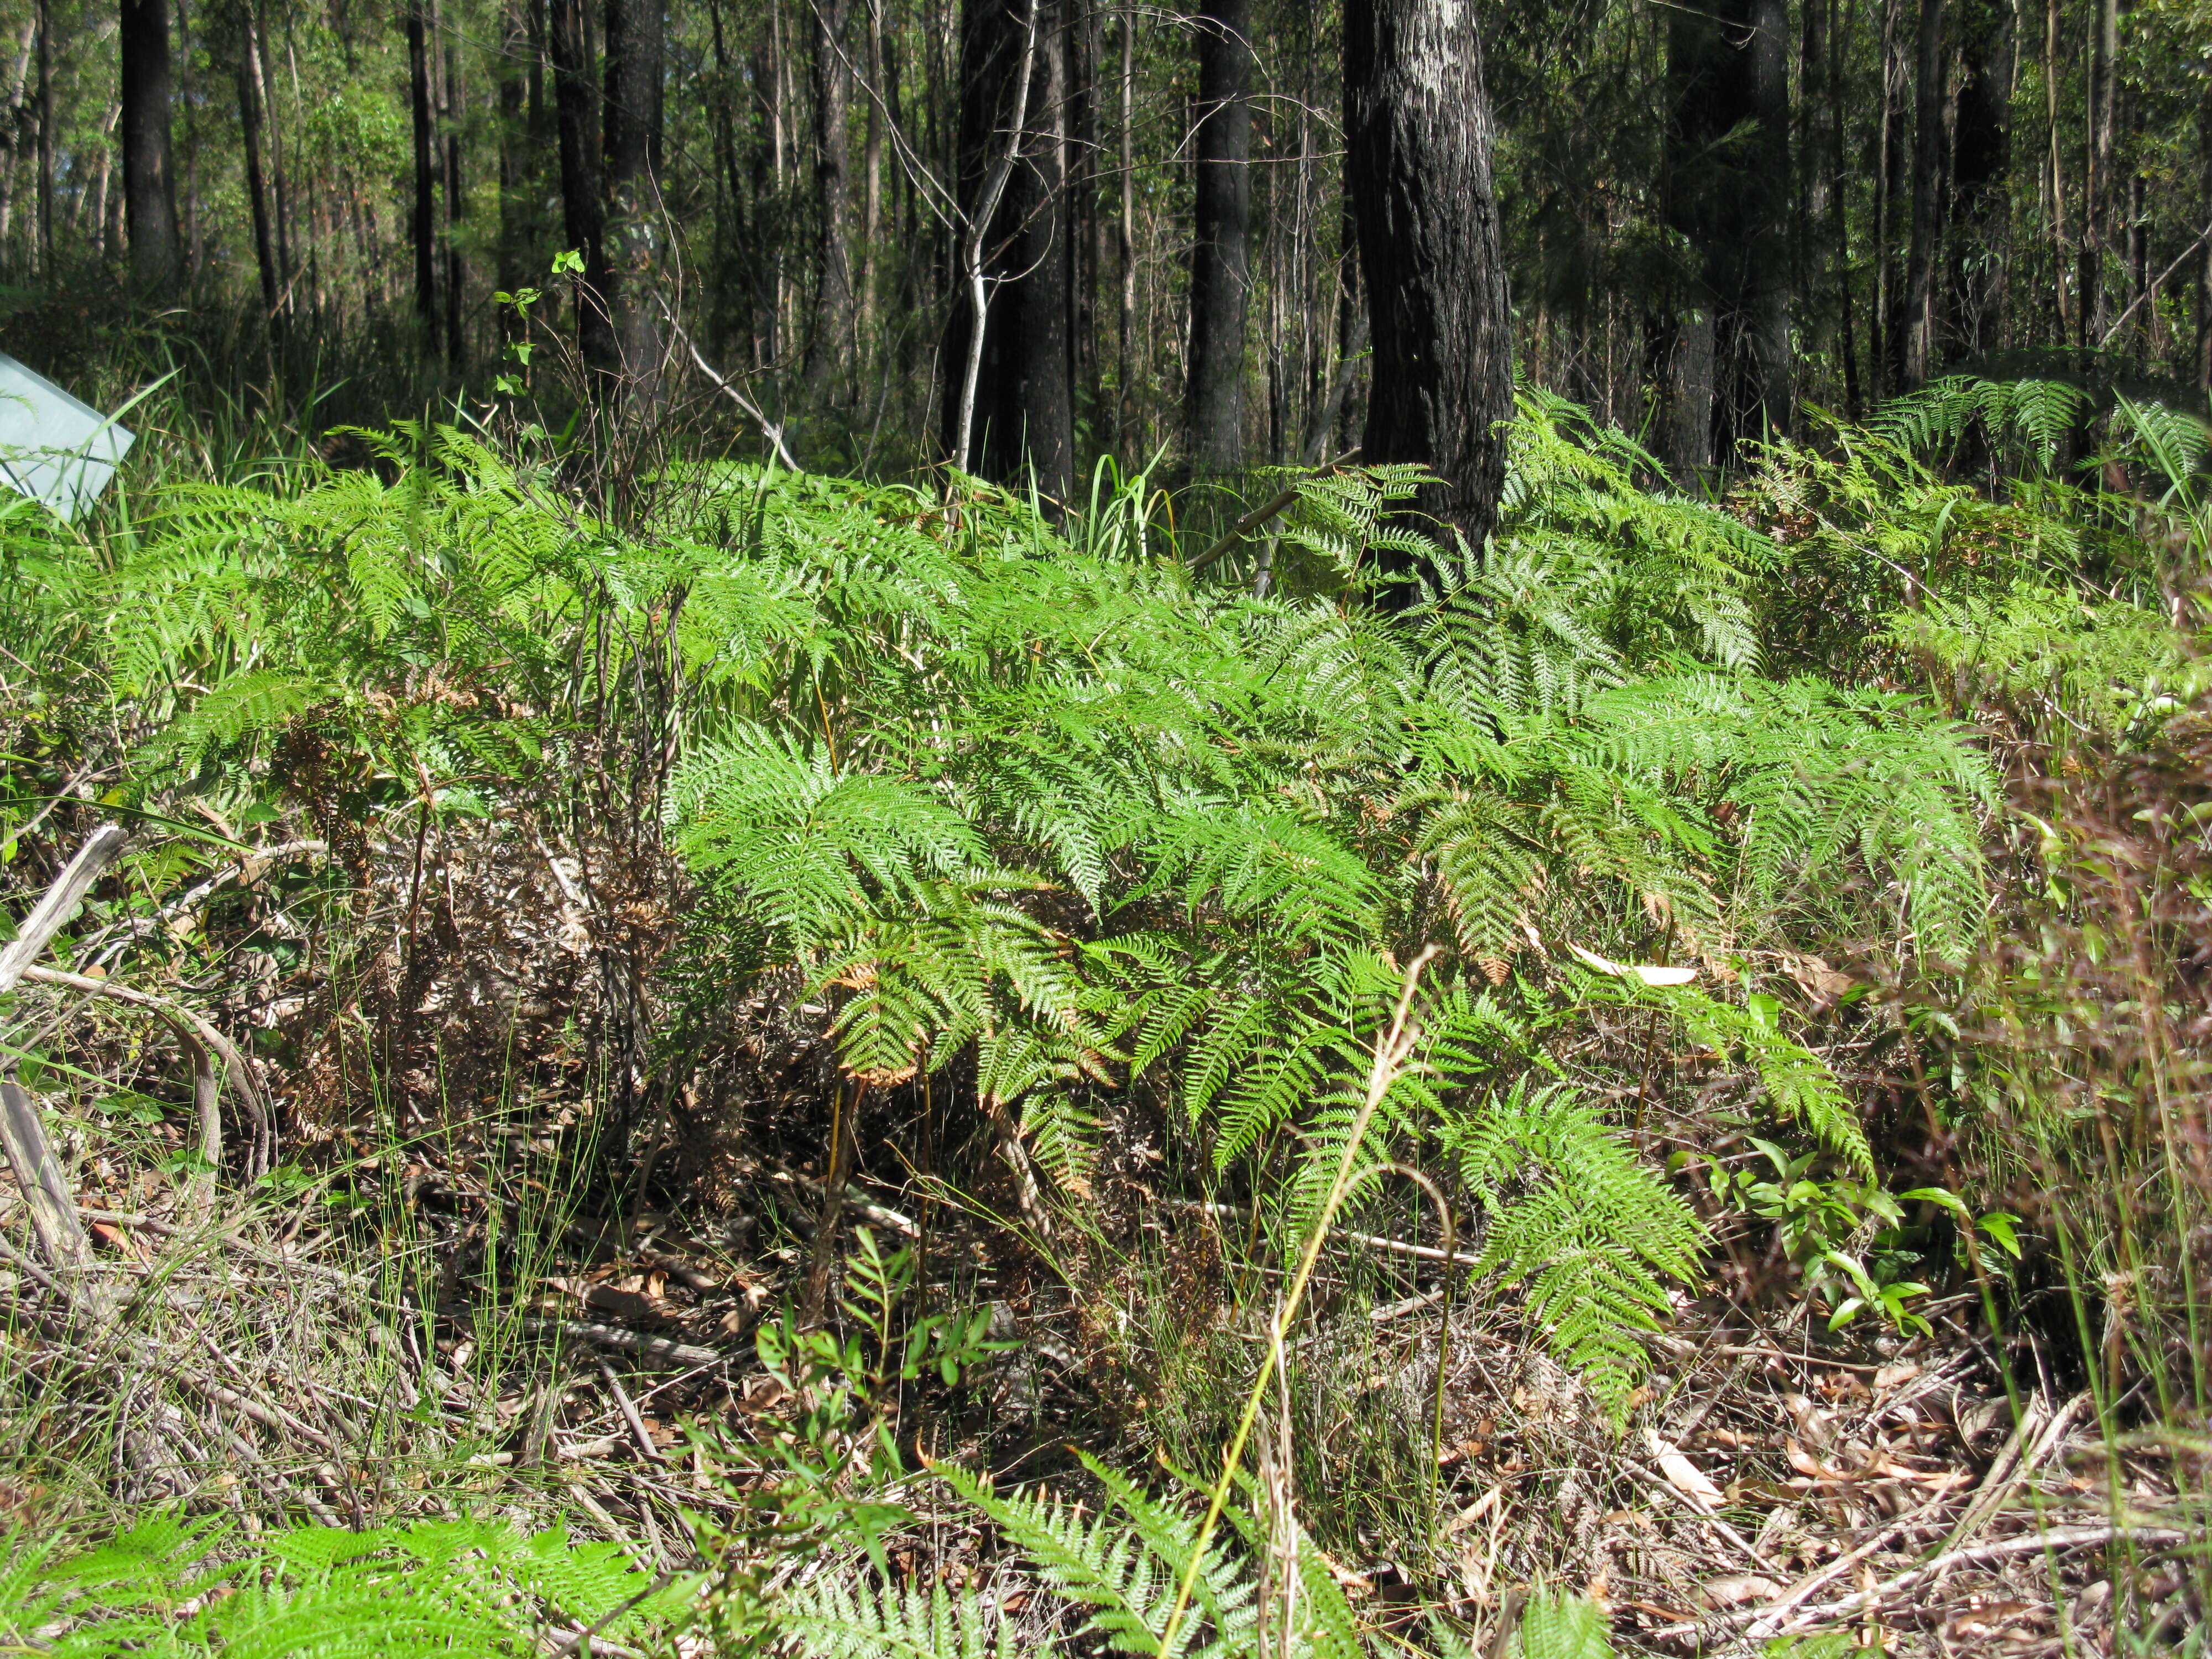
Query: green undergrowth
{"type": "Point", "coordinates": [1041, 829]}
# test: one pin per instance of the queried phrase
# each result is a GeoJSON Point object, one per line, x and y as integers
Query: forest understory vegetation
{"type": "Point", "coordinates": [632, 1052]}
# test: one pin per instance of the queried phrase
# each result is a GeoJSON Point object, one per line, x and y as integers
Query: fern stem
{"type": "Point", "coordinates": [1390, 1053]}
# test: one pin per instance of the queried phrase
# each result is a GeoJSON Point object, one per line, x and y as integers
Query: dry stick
{"type": "Point", "coordinates": [46, 1190]}
{"type": "Point", "coordinates": [769, 429]}
{"type": "Point", "coordinates": [207, 1101]}
{"type": "Point", "coordinates": [1388, 1245]}
{"type": "Point", "coordinates": [37, 1173]}
{"type": "Point", "coordinates": [242, 1075]}
{"type": "Point", "coordinates": [628, 1409]}
{"type": "Point", "coordinates": [1765, 1621]}
{"type": "Point", "coordinates": [2013, 1466]}
{"type": "Point", "coordinates": [1744, 1546]}
{"type": "Point", "coordinates": [1390, 1054]}
{"type": "Point", "coordinates": [1258, 516]}
{"type": "Point", "coordinates": [843, 1128]}
{"type": "Point", "coordinates": [2026, 1544]}
{"type": "Point", "coordinates": [614, 1336]}
{"type": "Point", "coordinates": [100, 850]}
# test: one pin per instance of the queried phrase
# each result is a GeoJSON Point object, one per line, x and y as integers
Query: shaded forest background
{"type": "Point", "coordinates": [1711, 218]}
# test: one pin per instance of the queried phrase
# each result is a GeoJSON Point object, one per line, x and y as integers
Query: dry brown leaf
{"type": "Point", "coordinates": [1690, 1480]}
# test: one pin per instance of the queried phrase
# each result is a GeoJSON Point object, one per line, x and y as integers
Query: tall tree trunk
{"type": "Point", "coordinates": [149, 192]}
{"type": "Point", "coordinates": [1221, 259]}
{"type": "Point", "coordinates": [194, 245]}
{"type": "Point", "coordinates": [1417, 165]}
{"type": "Point", "coordinates": [280, 198]}
{"type": "Point", "coordinates": [833, 269]}
{"type": "Point", "coordinates": [871, 179]}
{"type": "Point", "coordinates": [257, 189]}
{"type": "Point", "coordinates": [575, 99]}
{"type": "Point", "coordinates": [17, 89]}
{"type": "Point", "coordinates": [1763, 403]}
{"type": "Point", "coordinates": [2099, 188]}
{"type": "Point", "coordinates": [1728, 200]}
{"type": "Point", "coordinates": [424, 221]}
{"type": "Point", "coordinates": [2066, 310]}
{"type": "Point", "coordinates": [1981, 164]}
{"type": "Point", "coordinates": [1920, 341]}
{"type": "Point", "coordinates": [1891, 187]}
{"type": "Point", "coordinates": [516, 171]}
{"type": "Point", "coordinates": [2204, 253]}
{"type": "Point", "coordinates": [45, 138]}
{"type": "Point", "coordinates": [1839, 215]}
{"type": "Point", "coordinates": [452, 113]}
{"type": "Point", "coordinates": [635, 52]}
{"type": "Point", "coordinates": [1125, 236]}
{"type": "Point", "coordinates": [1010, 392]}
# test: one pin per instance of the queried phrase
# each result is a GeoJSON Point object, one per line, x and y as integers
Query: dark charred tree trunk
{"type": "Point", "coordinates": [575, 99]}
{"type": "Point", "coordinates": [1709, 101]}
{"type": "Point", "coordinates": [635, 50]}
{"type": "Point", "coordinates": [256, 189]}
{"type": "Point", "coordinates": [1981, 163]}
{"type": "Point", "coordinates": [1926, 233]}
{"type": "Point", "coordinates": [1012, 145]}
{"type": "Point", "coordinates": [1838, 213]}
{"type": "Point", "coordinates": [1221, 260]}
{"type": "Point", "coordinates": [423, 223]}
{"type": "Point", "coordinates": [1891, 187]}
{"type": "Point", "coordinates": [833, 256]}
{"type": "Point", "coordinates": [280, 208]}
{"type": "Point", "coordinates": [453, 112]}
{"type": "Point", "coordinates": [1417, 165]}
{"type": "Point", "coordinates": [1728, 200]}
{"type": "Point", "coordinates": [1763, 401]}
{"type": "Point", "coordinates": [149, 196]}
{"type": "Point", "coordinates": [191, 223]}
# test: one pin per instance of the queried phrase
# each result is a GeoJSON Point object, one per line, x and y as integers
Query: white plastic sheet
{"type": "Point", "coordinates": [53, 448]}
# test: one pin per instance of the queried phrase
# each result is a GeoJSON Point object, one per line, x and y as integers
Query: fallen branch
{"type": "Point", "coordinates": [37, 1173]}
{"type": "Point", "coordinates": [101, 848]}
{"type": "Point", "coordinates": [242, 1075]}
{"type": "Point", "coordinates": [1259, 515]}
{"type": "Point", "coordinates": [629, 1341]}
{"type": "Point", "coordinates": [629, 1414]}
{"type": "Point", "coordinates": [2028, 1544]}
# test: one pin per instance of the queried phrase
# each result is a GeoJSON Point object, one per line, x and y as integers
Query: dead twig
{"type": "Point", "coordinates": [629, 1414]}
{"type": "Point", "coordinates": [614, 1336]}
{"type": "Point", "coordinates": [179, 1016]}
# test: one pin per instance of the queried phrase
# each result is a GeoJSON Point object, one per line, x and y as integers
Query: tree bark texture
{"type": "Point", "coordinates": [452, 112]}
{"type": "Point", "coordinates": [634, 52]}
{"type": "Point", "coordinates": [1727, 201]}
{"type": "Point", "coordinates": [45, 138]}
{"type": "Point", "coordinates": [1221, 258]}
{"type": "Point", "coordinates": [1417, 165]}
{"type": "Point", "coordinates": [2203, 260]}
{"type": "Point", "coordinates": [1981, 165]}
{"type": "Point", "coordinates": [149, 193]}
{"type": "Point", "coordinates": [423, 223]}
{"type": "Point", "coordinates": [1926, 228]}
{"type": "Point", "coordinates": [833, 260]}
{"type": "Point", "coordinates": [2100, 186]}
{"type": "Point", "coordinates": [1023, 422]}
{"type": "Point", "coordinates": [515, 168]}
{"type": "Point", "coordinates": [576, 117]}
{"type": "Point", "coordinates": [256, 189]}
